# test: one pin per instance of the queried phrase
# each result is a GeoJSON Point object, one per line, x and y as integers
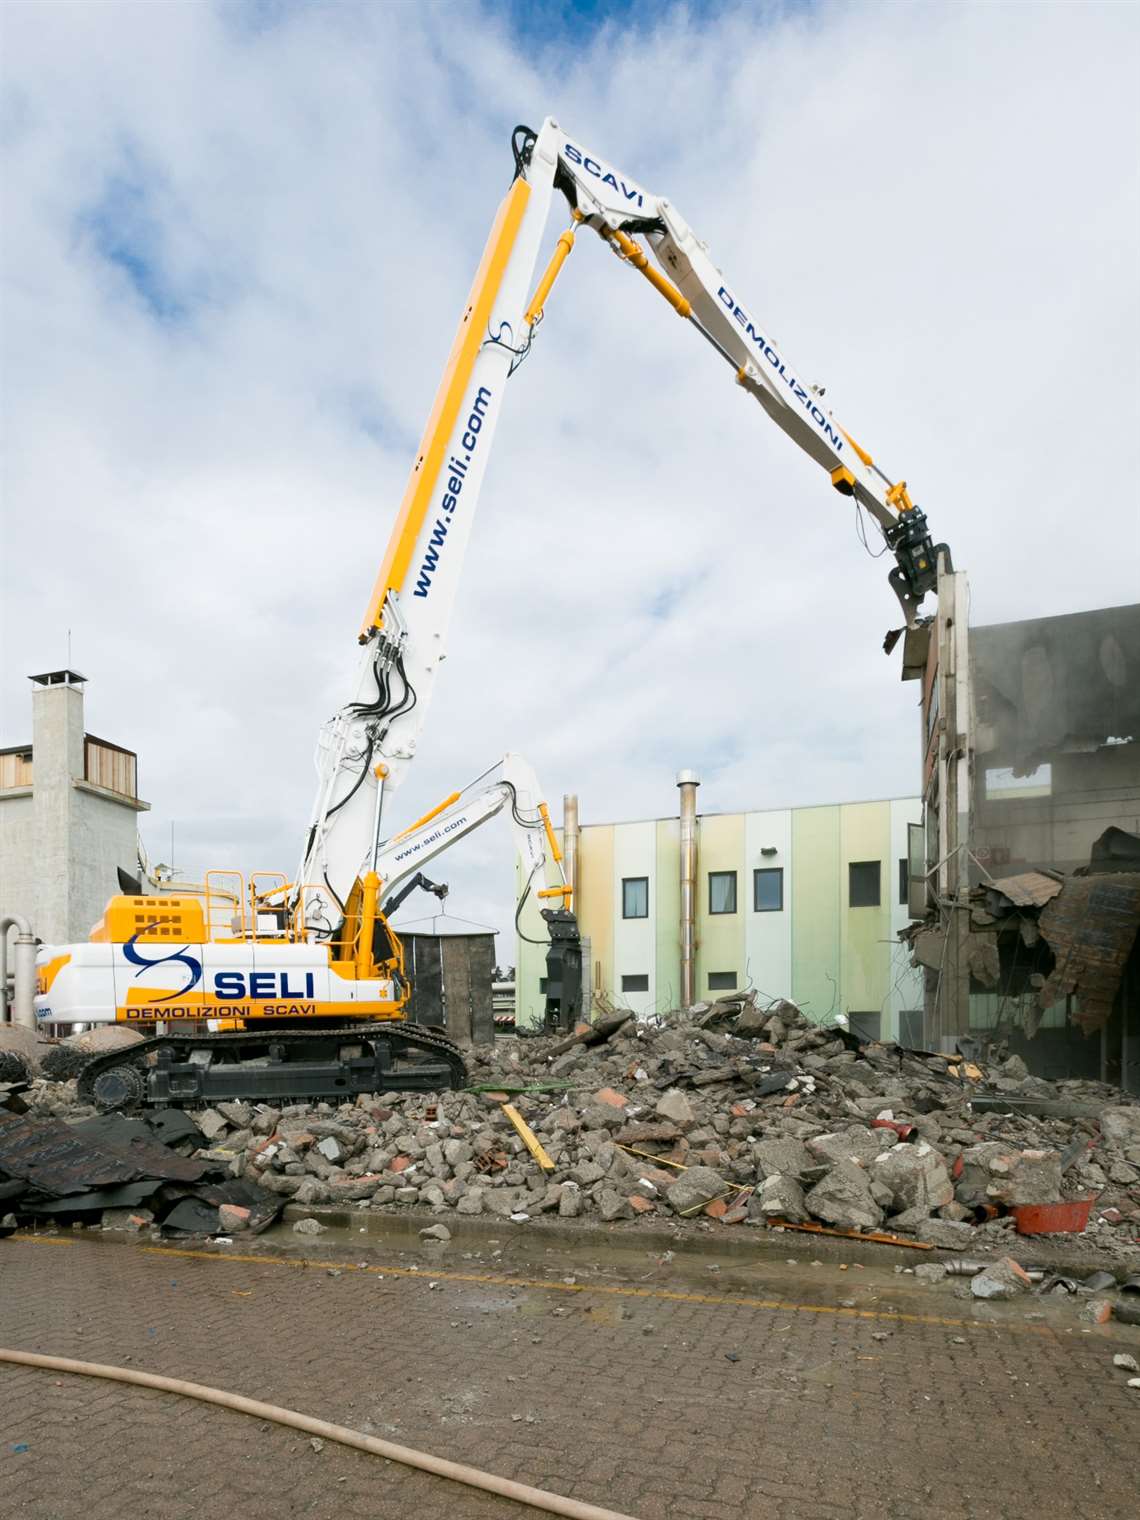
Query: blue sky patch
{"type": "Point", "coordinates": [123, 230]}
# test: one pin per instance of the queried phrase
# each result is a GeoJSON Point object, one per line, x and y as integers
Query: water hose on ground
{"type": "Point", "coordinates": [459, 1472]}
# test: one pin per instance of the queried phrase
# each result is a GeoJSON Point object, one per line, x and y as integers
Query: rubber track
{"type": "Point", "coordinates": [135, 1055]}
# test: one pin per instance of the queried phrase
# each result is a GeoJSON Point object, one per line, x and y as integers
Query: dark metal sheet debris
{"type": "Point", "coordinates": [197, 1214]}
{"type": "Point", "coordinates": [1090, 928]}
{"type": "Point", "coordinates": [172, 1126]}
{"type": "Point", "coordinates": [129, 1196]}
{"type": "Point", "coordinates": [193, 1216]}
{"type": "Point", "coordinates": [58, 1158]}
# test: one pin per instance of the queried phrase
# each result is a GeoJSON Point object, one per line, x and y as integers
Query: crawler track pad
{"type": "Point", "coordinates": [278, 1065]}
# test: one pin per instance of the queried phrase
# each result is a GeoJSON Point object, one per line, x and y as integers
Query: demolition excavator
{"type": "Point", "coordinates": [270, 987]}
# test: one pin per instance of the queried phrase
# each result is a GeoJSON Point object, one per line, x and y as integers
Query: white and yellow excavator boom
{"type": "Point", "coordinates": [367, 746]}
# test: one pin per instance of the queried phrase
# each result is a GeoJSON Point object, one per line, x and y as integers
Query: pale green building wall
{"type": "Point", "coordinates": [816, 943]}
{"type": "Point", "coordinates": [668, 906]}
{"type": "Point", "coordinates": [818, 950]}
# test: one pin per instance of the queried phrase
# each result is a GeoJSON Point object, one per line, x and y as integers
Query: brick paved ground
{"type": "Point", "coordinates": [611, 1391]}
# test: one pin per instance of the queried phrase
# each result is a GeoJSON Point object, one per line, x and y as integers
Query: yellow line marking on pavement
{"type": "Point", "coordinates": [38, 1240]}
{"type": "Point", "coordinates": [722, 1300]}
{"type": "Point", "coordinates": [661, 1294]}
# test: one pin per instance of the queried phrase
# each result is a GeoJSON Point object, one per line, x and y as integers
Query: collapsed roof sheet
{"type": "Point", "coordinates": [1091, 927]}
{"type": "Point", "coordinates": [1029, 889]}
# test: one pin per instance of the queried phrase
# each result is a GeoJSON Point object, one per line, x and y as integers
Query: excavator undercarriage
{"type": "Point", "coordinates": [275, 1065]}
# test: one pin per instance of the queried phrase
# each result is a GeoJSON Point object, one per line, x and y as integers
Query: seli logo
{"type": "Point", "coordinates": [228, 985]}
{"type": "Point", "coordinates": [182, 957]}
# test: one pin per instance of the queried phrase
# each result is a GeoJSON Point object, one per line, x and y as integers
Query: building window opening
{"type": "Point", "coordinates": [768, 889]}
{"type": "Point", "coordinates": [904, 882]}
{"type": "Point", "coordinates": [723, 981]}
{"type": "Point", "coordinates": [722, 891]}
{"type": "Point", "coordinates": [863, 886]}
{"type": "Point", "coordinates": [635, 897]}
{"type": "Point", "coordinates": [638, 982]}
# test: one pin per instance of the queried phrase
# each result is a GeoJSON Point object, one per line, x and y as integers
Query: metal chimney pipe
{"type": "Point", "coordinates": [23, 1008]}
{"type": "Point", "coordinates": [570, 844]}
{"type": "Point", "coordinates": [687, 782]}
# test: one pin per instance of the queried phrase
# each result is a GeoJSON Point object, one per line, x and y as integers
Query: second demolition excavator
{"type": "Point", "coordinates": [267, 987]}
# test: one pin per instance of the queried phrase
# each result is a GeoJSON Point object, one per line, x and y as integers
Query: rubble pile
{"type": "Point", "coordinates": [734, 1112]}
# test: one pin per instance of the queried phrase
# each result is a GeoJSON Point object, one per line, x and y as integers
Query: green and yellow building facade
{"type": "Point", "coordinates": [801, 903]}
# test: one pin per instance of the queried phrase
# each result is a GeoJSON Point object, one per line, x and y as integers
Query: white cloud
{"type": "Point", "coordinates": [237, 242]}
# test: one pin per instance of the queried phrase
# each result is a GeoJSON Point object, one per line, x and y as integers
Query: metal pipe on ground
{"type": "Point", "coordinates": [459, 1472]}
{"type": "Point", "coordinates": [24, 966]}
{"type": "Point", "coordinates": [687, 783]}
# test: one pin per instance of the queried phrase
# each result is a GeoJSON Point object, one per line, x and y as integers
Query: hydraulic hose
{"type": "Point", "coordinates": [459, 1472]}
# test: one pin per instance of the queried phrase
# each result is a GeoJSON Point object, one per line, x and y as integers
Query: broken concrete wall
{"type": "Point", "coordinates": [1053, 739]}
{"type": "Point", "coordinates": [1057, 737]}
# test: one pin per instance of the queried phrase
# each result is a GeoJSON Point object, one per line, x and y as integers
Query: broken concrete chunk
{"type": "Point", "coordinates": [211, 1123]}
{"type": "Point", "coordinates": [857, 1143]}
{"type": "Point", "coordinates": [586, 1173]}
{"type": "Point", "coordinates": [1026, 1177]}
{"type": "Point", "coordinates": [647, 1134]}
{"type": "Point", "coordinates": [1120, 1126]}
{"type": "Point", "coordinates": [309, 1227]}
{"type": "Point", "coordinates": [778, 1197]}
{"type": "Point", "coordinates": [675, 1106]}
{"type": "Point", "coordinates": [435, 1232]}
{"type": "Point", "coordinates": [331, 1149]}
{"type": "Point", "coordinates": [613, 1205]}
{"type": "Point", "coordinates": [1002, 1279]}
{"type": "Point", "coordinates": [916, 1176]}
{"type": "Point", "coordinates": [238, 1114]}
{"type": "Point", "coordinates": [570, 1203]}
{"type": "Point", "coordinates": [782, 1157]}
{"type": "Point", "coordinates": [997, 1172]}
{"type": "Point", "coordinates": [695, 1187]}
{"type": "Point", "coordinates": [232, 1218]}
{"type": "Point", "coordinates": [844, 1199]}
{"type": "Point", "coordinates": [881, 1194]}
{"type": "Point", "coordinates": [909, 1220]}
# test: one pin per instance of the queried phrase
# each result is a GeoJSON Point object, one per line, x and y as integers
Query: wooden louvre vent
{"type": "Point", "coordinates": [111, 767]}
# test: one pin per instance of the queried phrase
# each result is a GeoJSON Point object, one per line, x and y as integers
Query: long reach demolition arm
{"type": "Point", "coordinates": [366, 748]}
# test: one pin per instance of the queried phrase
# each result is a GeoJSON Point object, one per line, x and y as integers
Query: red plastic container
{"type": "Point", "coordinates": [1068, 1218]}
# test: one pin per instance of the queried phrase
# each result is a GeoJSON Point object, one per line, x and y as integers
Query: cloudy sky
{"type": "Point", "coordinates": [237, 240]}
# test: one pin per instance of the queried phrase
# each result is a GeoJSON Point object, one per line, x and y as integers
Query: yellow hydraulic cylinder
{"type": "Point", "coordinates": [557, 259]}
{"type": "Point", "coordinates": [368, 911]}
{"type": "Point", "coordinates": [428, 816]}
{"type": "Point", "coordinates": [551, 837]}
{"type": "Point", "coordinates": [640, 261]}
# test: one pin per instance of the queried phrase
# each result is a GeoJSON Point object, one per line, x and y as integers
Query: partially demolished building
{"type": "Point", "coordinates": [1026, 871]}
